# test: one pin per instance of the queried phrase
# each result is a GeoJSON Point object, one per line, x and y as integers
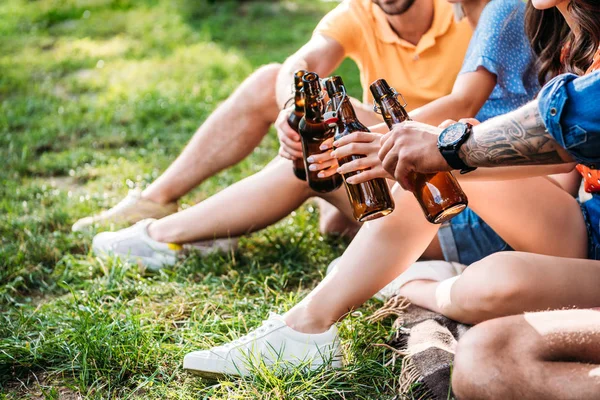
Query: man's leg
{"type": "Point", "coordinates": [229, 135]}
{"type": "Point", "coordinates": [233, 130]}
{"type": "Point", "coordinates": [548, 355]}
{"type": "Point", "coordinates": [247, 206]}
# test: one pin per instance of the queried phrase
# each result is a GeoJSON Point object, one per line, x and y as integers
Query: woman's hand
{"type": "Point", "coordinates": [324, 162]}
{"type": "Point", "coordinates": [366, 144]}
{"type": "Point", "coordinates": [289, 140]}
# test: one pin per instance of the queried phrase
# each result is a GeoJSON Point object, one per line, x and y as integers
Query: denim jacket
{"type": "Point", "coordinates": [570, 108]}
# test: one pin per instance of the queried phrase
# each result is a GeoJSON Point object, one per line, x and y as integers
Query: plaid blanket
{"type": "Point", "coordinates": [425, 342]}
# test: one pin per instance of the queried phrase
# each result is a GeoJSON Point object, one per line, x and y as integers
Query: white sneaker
{"type": "Point", "coordinates": [135, 245]}
{"type": "Point", "coordinates": [274, 344]}
{"type": "Point", "coordinates": [429, 270]}
{"type": "Point", "coordinates": [131, 209]}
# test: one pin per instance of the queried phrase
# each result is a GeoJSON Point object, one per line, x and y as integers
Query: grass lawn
{"type": "Point", "coordinates": [96, 98]}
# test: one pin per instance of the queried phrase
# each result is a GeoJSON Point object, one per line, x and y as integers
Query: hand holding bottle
{"type": "Point", "coordinates": [411, 147]}
{"type": "Point", "coordinates": [325, 163]}
{"type": "Point", "coordinates": [289, 140]}
{"type": "Point", "coordinates": [365, 144]}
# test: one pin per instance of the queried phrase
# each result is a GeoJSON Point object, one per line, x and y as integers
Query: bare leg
{"type": "Point", "coordinates": [386, 247]}
{"type": "Point", "coordinates": [249, 205]}
{"type": "Point", "coordinates": [229, 135]}
{"type": "Point", "coordinates": [511, 283]}
{"type": "Point", "coordinates": [551, 356]}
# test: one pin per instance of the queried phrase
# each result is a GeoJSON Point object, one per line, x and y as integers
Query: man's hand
{"type": "Point", "coordinates": [411, 147]}
{"type": "Point", "coordinates": [289, 140]}
{"type": "Point", "coordinates": [365, 144]}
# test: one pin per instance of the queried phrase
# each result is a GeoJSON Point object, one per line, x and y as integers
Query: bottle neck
{"type": "Point", "coordinates": [346, 111]}
{"type": "Point", "coordinates": [314, 108]}
{"type": "Point", "coordinates": [392, 111]}
{"type": "Point", "coordinates": [299, 101]}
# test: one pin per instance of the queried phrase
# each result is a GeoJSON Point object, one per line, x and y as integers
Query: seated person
{"type": "Point", "coordinates": [415, 44]}
{"type": "Point", "coordinates": [308, 329]}
{"type": "Point", "coordinates": [511, 84]}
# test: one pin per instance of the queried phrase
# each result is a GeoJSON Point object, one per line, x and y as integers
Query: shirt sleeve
{"type": "Point", "coordinates": [499, 45]}
{"type": "Point", "coordinates": [340, 24]}
{"type": "Point", "coordinates": [568, 105]}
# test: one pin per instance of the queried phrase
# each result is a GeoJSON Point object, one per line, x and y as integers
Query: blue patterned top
{"type": "Point", "coordinates": [500, 45]}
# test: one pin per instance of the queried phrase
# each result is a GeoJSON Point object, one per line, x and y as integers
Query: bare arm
{"type": "Point", "coordinates": [517, 138]}
{"type": "Point", "coordinates": [321, 55]}
{"type": "Point", "coordinates": [470, 92]}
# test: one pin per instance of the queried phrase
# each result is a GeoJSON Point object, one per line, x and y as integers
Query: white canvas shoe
{"type": "Point", "coordinates": [135, 245]}
{"type": "Point", "coordinates": [131, 209]}
{"type": "Point", "coordinates": [274, 344]}
{"type": "Point", "coordinates": [429, 270]}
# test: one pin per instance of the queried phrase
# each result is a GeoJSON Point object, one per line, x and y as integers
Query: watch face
{"type": "Point", "coordinates": [452, 135]}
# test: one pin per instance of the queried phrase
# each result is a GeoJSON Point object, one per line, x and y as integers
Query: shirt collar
{"type": "Point", "coordinates": [442, 20]}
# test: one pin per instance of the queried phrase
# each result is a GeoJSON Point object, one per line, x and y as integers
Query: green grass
{"type": "Point", "coordinates": [97, 97]}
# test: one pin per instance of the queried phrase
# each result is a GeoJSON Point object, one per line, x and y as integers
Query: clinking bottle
{"type": "Point", "coordinates": [314, 131]}
{"type": "Point", "coordinates": [372, 199]}
{"type": "Point", "coordinates": [439, 195]}
{"type": "Point", "coordinates": [296, 116]}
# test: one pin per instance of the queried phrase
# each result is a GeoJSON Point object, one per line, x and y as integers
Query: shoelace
{"type": "Point", "coordinates": [266, 325]}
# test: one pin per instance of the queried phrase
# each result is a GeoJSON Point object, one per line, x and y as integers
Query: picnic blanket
{"type": "Point", "coordinates": [425, 342]}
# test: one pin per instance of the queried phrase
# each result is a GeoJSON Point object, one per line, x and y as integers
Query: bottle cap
{"type": "Point", "coordinates": [380, 88]}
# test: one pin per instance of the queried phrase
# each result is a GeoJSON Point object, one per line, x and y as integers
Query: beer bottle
{"type": "Point", "coordinates": [370, 200]}
{"type": "Point", "coordinates": [314, 131]}
{"type": "Point", "coordinates": [295, 117]}
{"type": "Point", "coordinates": [439, 195]}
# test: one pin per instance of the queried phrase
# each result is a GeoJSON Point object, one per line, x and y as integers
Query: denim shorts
{"type": "Point", "coordinates": [591, 215]}
{"type": "Point", "coordinates": [466, 239]}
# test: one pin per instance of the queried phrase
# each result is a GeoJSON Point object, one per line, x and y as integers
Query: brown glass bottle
{"type": "Point", "coordinates": [314, 131]}
{"type": "Point", "coordinates": [439, 195]}
{"type": "Point", "coordinates": [295, 117]}
{"type": "Point", "coordinates": [370, 200]}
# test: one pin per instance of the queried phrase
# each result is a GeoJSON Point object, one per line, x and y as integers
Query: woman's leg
{"type": "Point", "coordinates": [512, 283]}
{"type": "Point", "coordinates": [532, 215]}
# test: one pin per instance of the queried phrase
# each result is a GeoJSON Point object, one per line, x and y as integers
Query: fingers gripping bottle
{"type": "Point", "coordinates": [439, 195]}
{"type": "Point", "coordinates": [370, 200]}
{"type": "Point", "coordinates": [314, 131]}
{"type": "Point", "coordinates": [296, 116]}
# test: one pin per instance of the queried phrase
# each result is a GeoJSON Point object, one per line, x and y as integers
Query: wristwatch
{"type": "Point", "coordinates": [449, 143]}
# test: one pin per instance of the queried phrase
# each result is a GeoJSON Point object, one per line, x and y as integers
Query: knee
{"type": "Point", "coordinates": [267, 74]}
{"type": "Point", "coordinates": [476, 363]}
{"type": "Point", "coordinates": [487, 289]}
{"type": "Point", "coordinates": [333, 222]}
{"type": "Point", "coordinates": [263, 82]}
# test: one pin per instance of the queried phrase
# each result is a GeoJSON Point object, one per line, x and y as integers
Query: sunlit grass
{"type": "Point", "coordinates": [96, 98]}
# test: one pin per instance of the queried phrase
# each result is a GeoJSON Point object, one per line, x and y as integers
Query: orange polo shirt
{"type": "Point", "coordinates": [422, 72]}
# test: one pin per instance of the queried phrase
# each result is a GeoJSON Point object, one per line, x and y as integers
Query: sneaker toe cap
{"type": "Point", "coordinates": [102, 242]}
{"type": "Point", "coordinates": [207, 361]}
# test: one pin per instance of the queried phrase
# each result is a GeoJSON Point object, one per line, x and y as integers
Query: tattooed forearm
{"type": "Point", "coordinates": [518, 138]}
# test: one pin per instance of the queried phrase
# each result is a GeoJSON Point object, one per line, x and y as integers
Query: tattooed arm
{"type": "Point", "coordinates": [510, 141]}
{"type": "Point", "coordinates": [517, 138]}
